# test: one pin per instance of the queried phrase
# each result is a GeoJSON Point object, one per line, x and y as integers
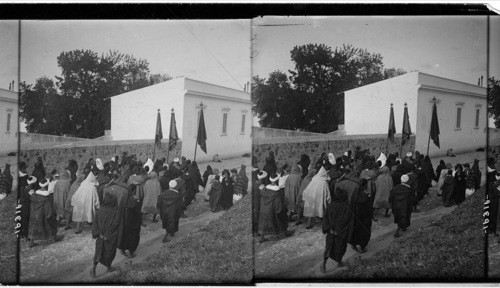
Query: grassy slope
{"type": "Point", "coordinates": [450, 249]}
{"type": "Point", "coordinates": [219, 253]}
{"type": "Point", "coordinates": [8, 240]}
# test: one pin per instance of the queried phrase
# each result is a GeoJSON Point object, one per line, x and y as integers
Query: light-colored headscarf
{"type": "Point", "coordinates": [331, 159]}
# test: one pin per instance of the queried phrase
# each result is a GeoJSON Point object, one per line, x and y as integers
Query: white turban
{"type": "Point", "coordinates": [32, 180]}
{"type": "Point", "coordinates": [331, 159]}
{"type": "Point", "coordinates": [409, 154]}
{"type": "Point", "coordinates": [346, 154]}
{"type": "Point", "coordinates": [404, 178]}
{"type": "Point", "coordinates": [98, 164]}
{"type": "Point", "coordinates": [150, 164]}
{"type": "Point", "coordinates": [274, 179]}
{"type": "Point", "coordinates": [176, 160]}
{"type": "Point", "coordinates": [113, 159]}
{"type": "Point", "coordinates": [172, 184]}
{"type": "Point", "coordinates": [382, 158]}
{"type": "Point", "coordinates": [262, 175]}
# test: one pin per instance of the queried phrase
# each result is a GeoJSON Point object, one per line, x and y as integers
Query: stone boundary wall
{"type": "Point", "coordinates": [57, 156]}
{"type": "Point", "coordinates": [263, 132]}
{"type": "Point", "coordinates": [494, 135]}
{"type": "Point", "coordinates": [26, 138]}
{"type": "Point", "coordinates": [288, 150]}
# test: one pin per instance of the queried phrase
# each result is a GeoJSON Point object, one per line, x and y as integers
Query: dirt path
{"type": "Point", "coordinates": [70, 260]}
{"type": "Point", "coordinates": [300, 256]}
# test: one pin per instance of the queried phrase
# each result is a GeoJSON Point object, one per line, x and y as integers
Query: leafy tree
{"type": "Point", "coordinates": [313, 91]}
{"type": "Point", "coordinates": [78, 103]}
{"type": "Point", "coordinates": [494, 100]}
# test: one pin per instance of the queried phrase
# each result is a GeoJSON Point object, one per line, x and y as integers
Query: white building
{"type": "Point", "coordinates": [461, 109]}
{"type": "Point", "coordinates": [227, 114]}
{"type": "Point", "coordinates": [8, 121]}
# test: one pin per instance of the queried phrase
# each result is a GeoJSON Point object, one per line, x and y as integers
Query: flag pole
{"type": "Point", "coordinates": [387, 144]}
{"type": "Point", "coordinates": [430, 127]}
{"type": "Point", "coordinates": [169, 133]}
{"type": "Point", "coordinates": [402, 136]}
{"type": "Point", "coordinates": [154, 145]}
{"type": "Point", "coordinates": [198, 127]}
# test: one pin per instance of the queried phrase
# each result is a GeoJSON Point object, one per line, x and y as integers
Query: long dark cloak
{"type": "Point", "coordinates": [215, 193]}
{"type": "Point", "coordinates": [493, 207]}
{"type": "Point", "coordinates": [170, 209]}
{"type": "Point", "coordinates": [119, 190]}
{"type": "Point", "coordinates": [105, 229]}
{"type": "Point", "coordinates": [42, 223]}
{"type": "Point", "coordinates": [459, 188]}
{"type": "Point", "coordinates": [132, 224]}
{"type": "Point", "coordinates": [337, 219]}
{"type": "Point", "coordinates": [402, 199]}
{"type": "Point", "coordinates": [227, 193]}
{"type": "Point", "coordinates": [25, 210]}
{"type": "Point", "coordinates": [190, 188]}
{"type": "Point", "coordinates": [272, 217]}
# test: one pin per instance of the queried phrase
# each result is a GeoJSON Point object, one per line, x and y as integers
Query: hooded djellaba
{"type": "Point", "coordinates": [241, 183]}
{"type": "Point", "coordinates": [299, 202]}
{"type": "Point", "coordinates": [39, 170]}
{"type": "Point", "coordinates": [85, 201]}
{"type": "Point", "coordinates": [292, 186]}
{"type": "Point", "coordinates": [257, 186]}
{"type": "Point", "coordinates": [360, 203]}
{"type": "Point", "coordinates": [383, 186]}
{"type": "Point", "coordinates": [43, 223]}
{"type": "Point", "coordinates": [25, 199]}
{"type": "Point", "coordinates": [304, 163]}
{"type": "Point", "coordinates": [208, 184]}
{"type": "Point", "coordinates": [105, 231]}
{"type": "Point", "coordinates": [215, 194]}
{"type": "Point", "coordinates": [61, 191]}
{"type": "Point", "coordinates": [272, 217]}
{"type": "Point", "coordinates": [170, 209]}
{"type": "Point", "coordinates": [402, 199]}
{"type": "Point", "coordinates": [336, 227]}
{"type": "Point", "coordinates": [316, 196]}
{"type": "Point", "coordinates": [493, 196]}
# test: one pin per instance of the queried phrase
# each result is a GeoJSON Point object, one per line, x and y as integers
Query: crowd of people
{"type": "Point", "coordinates": [349, 193]}
{"type": "Point", "coordinates": [493, 193]}
{"type": "Point", "coordinates": [117, 198]}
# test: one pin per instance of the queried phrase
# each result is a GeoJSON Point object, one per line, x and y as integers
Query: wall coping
{"type": "Point", "coordinates": [305, 139]}
{"type": "Point", "coordinates": [90, 143]}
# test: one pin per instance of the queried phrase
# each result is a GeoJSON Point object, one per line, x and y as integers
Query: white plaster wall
{"type": "Point", "coordinates": [8, 104]}
{"type": "Point", "coordinates": [233, 144]}
{"type": "Point", "coordinates": [466, 138]}
{"type": "Point", "coordinates": [133, 114]}
{"type": "Point", "coordinates": [367, 108]}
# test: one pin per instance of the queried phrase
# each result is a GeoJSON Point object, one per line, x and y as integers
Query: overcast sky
{"type": "Point", "coordinates": [451, 47]}
{"type": "Point", "coordinates": [213, 51]}
{"type": "Point", "coordinates": [9, 52]}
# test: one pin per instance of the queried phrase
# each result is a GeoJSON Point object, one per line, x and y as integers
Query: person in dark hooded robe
{"type": "Point", "coordinates": [42, 223]}
{"type": "Point", "coordinates": [304, 164]}
{"type": "Point", "coordinates": [38, 171]}
{"type": "Point", "coordinates": [257, 186]}
{"type": "Point", "coordinates": [227, 190]}
{"type": "Point", "coordinates": [459, 184]}
{"type": "Point", "coordinates": [72, 168]}
{"type": "Point", "coordinates": [292, 187]}
{"type": "Point", "coordinates": [429, 170]}
{"type": "Point", "coordinates": [360, 203]}
{"type": "Point", "coordinates": [195, 171]}
{"type": "Point", "coordinates": [191, 186]}
{"type": "Point", "coordinates": [441, 166]}
{"type": "Point", "coordinates": [23, 176]}
{"type": "Point", "coordinates": [477, 172]}
{"type": "Point", "coordinates": [493, 196]}
{"type": "Point", "coordinates": [447, 189]}
{"type": "Point", "coordinates": [270, 167]}
{"type": "Point", "coordinates": [8, 178]}
{"type": "Point", "coordinates": [119, 189]}
{"type": "Point", "coordinates": [170, 209]}
{"type": "Point", "coordinates": [24, 198]}
{"type": "Point", "coordinates": [207, 173]}
{"type": "Point", "coordinates": [396, 174]}
{"type": "Point", "coordinates": [273, 220]}
{"type": "Point", "coordinates": [132, 222]}
{"type": "Point", "coordinates": [105, 230]}
{"type": "Point", "coordinates": [68, 213]}
{"type": "Point", "coordinates": [336, 227]}
{"type": "Point", "coordinates": [103, 179]}
{"type": "Point", "coordinates": [215, 194]}
{"type": "Point", "coordinates": [402, 199]}
{"type": "Point", "coordinates": [61, 191]}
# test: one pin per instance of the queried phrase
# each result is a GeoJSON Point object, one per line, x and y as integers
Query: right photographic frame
{"type": "Point", "coordinates": [374, 148]}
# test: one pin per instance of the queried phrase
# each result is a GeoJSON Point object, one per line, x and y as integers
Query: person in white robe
{"type": "Point", "coordinates": [85, 202]}
{"type": "Point", "coordinates": [316, 197]}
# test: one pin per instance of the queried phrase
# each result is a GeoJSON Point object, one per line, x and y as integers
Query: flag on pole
{"type": "Point", "coordinates": [202, 133]}
{"type": "Point", "coordinates": [406, 127]}
{"type": "Point", "coordinates": [392, 125]}
{"type": "Point", "coordinates": [173, 137]}
{"type": "Point", "coordinates": [159, 134]}
{"type": "Point", "coordinates": [435, 126]}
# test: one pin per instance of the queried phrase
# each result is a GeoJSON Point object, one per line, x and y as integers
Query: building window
{"type": "Point", "coordinates": [477, 118]}
{"type": "Point", "coordinates": [459, 117]}
{"type": "Point", "coordinates": [243, 116]}
{"type": "Point", "coordinates": [224, 123]}
{"type": "Point", "coordinates": [9, 114]}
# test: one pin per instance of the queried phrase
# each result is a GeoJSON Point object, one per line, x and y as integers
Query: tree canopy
{"type": "Point", "coordinates": [77, 103]}
{"type": "Point", "coordinates": [311, 98]}
{"type": "Point", "coordinates": [494, 100]}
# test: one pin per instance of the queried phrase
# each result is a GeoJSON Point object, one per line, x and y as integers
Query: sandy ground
{"type": "Point", "coordinates": [70, 260]}
{"type": "Point", "coordinates": [300, 256]}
